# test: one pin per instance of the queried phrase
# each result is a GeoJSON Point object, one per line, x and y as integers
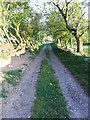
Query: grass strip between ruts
{"type": "Point", "coordinates": [50, 102]}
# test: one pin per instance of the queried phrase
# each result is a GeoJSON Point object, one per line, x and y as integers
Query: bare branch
{"type": "Point", "coordinates": [54, 4]}
{"type": "Point", "coordinates": [65, 16]}
{"type": "Point", "coordinates": [13, 27]}
{"type": "Point", "coordinates": [83, 33]}
{"type": "Point", "coordinates": [14, 38]}
{"type": "Point", "coordinates": [66, 1]}
{"type": "Point", "coordinates": [60, 9]}
{"type": "Point", "coordinates": [73, 10]}
{"type": "Point", "coordinates": [78, 23]}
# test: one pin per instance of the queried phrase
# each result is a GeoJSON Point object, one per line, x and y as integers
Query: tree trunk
{"type": "Point", "coordinates": [58, 41]}
{"type": "Point", "coordinates": [80, 45]}
{"type": "Point", "coordinates": [61, 42]}
{"type": "Point", "coordinates": [18, 35]}
{"type": "Point", "coordinates": [7, 35]}
{"type": "Point", "coordinates": [65, 44]}
{"type": "Point", "coordinates": [71, 43]}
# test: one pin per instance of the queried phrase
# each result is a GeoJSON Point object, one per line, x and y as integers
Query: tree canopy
{"type": "Point", "coordinates": [70, 16]}
{"type": "Point", "coordinates": [23, 27]}
{"type": "Point", "coordinates": [20, 25]}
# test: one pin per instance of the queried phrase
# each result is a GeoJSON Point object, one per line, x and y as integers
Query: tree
{"type": "Point", "coordinates": [73, 16]}
{"type": "Point", "coordinates": [57, 28]}
{"type": "Point", "coordinates": [19, 25]}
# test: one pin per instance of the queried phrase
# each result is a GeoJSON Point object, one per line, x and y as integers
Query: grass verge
{"type": "Point", "coordinates": [78, 65]}
{"type": "Point", "coordinates": [32, 57]}
{"type": "Point", "coordinates": [12, 76]}
{"type": "Point", "coordinates": [47, 52]}
{"type": "Point", "coordinates": [50, 102]}
{"type": "Point", "coordinates": [36, 52]}
{"type": "Point", "coordinates": [4, 92]}
{"type": "Point", "coordinates": [1, 82]}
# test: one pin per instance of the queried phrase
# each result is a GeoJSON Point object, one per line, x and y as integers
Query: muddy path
{"type": "Point", "coordinates": [21, 101]}
{"type": "Point", "coordinates": [77, 100]}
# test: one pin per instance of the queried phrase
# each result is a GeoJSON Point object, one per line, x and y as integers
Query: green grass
{"type": "Point", "coordinates": [37, 51]}
{"type": "Point", "coordinates": [85, 48]}
{"type": "Point", "coordinates": [4, 92]}
{"type": "Point", "coordinates": [50, 102]}
{"type": "Point", "coordinates": [1, 81]}
{"type": "Point", "coordinates": [47, 52]}
{"type": "Point", "coordinates": [12, 76]}
{"type": "Point", "coordinates": [32, 57]}
{"type": "Point", "coordinates": [78, 65]}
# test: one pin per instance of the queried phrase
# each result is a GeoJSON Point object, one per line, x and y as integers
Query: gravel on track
{"type": "Point", "coordinates": [21, 102]}
{"type": "Point", "coordinates": [77, 100]}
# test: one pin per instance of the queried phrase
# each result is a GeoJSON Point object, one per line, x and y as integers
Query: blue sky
{"type": "Point", "coordinates": [40, 4]}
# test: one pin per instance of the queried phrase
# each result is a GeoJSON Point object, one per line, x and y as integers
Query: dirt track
{"type": "Point", "coordinates": [21, 101]}
{"type": "Point", "coordinates": [77, 100]}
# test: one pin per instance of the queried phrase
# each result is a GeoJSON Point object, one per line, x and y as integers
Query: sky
{"type": "Point", "coordinates": [40, 4]}
{"type": "Point", "coordinates": [37, 2]}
